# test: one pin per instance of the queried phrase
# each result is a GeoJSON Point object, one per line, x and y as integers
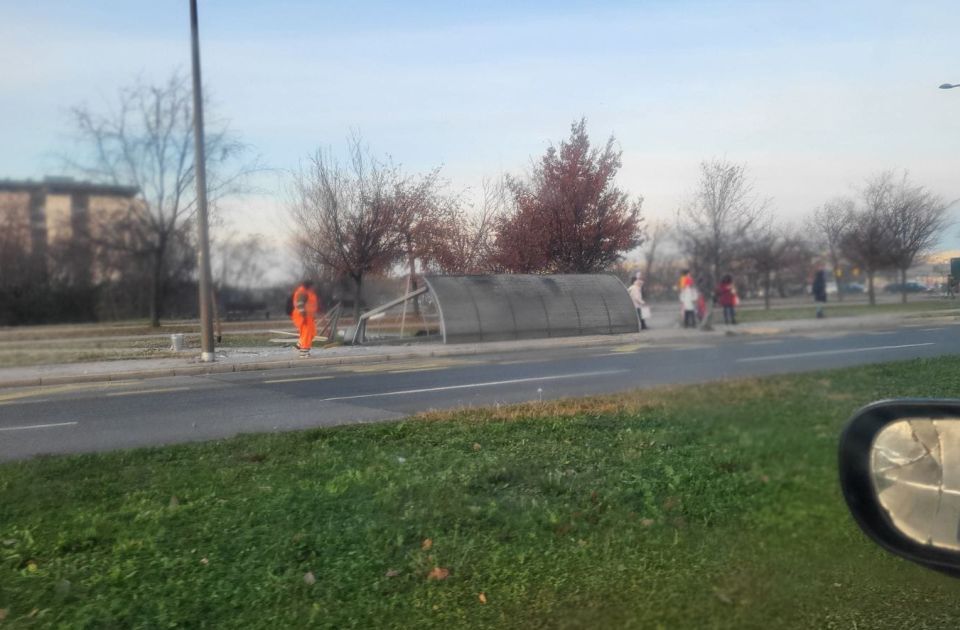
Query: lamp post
{"type": "Point", "coordinates": [207, 353]}
{"type": "Point", "coordinates": [949, 86]}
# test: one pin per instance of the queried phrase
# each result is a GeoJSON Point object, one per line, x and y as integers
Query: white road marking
{"type": "Point", "coordinates": [820, 353]}
{"type": "Point", "coordinates": [38, 426]}
{"type": "Point", "coordinates": [765, 342]}
{"type": "Point", "coordinates": [141, 392]}
{"type": "Point", "coordinates": [415, 369]}
{"type": "Point", "coordinates": [405, 392]}
{"type": "Point", "coordinates": [521, 361]}
{"type": "Point", "coordinates": [880, 332]}
{"type": "Point", "coordinates": [297, 380]}
{"type": "Point", "coordinates": [931, 329]}
{"type": "Point", "coordinates": [24, 402]}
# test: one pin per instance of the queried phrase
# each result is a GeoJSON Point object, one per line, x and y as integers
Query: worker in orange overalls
{"type": "Point", "coordinates": [306, 305]}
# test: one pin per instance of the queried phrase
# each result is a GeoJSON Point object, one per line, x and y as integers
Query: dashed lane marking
{"type": "Point", "coordinates": [142, 392]}
{"type": "Point", "coordinates": [406, 392]}
{"type": "Point", "coordinates": [632, 347]}
{"type": "Point", "coordinates": [29, 427]}
{"type": "Point", "coordinates": [522, 361]}
{"type": "Point", "coordinates": [47, 390]}
{"type": "Point", "coordinates": [299, 379]}
{"type": "Point", "coordinates": [387, 366]}
{"type": "Point", "coordinates": [32, 401]}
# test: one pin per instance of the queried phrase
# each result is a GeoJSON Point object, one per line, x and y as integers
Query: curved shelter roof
{"type": "Point", "coordinates": [518, 306]}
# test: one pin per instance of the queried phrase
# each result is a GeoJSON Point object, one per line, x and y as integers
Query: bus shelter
{"type": "Point", "coordinates": [472, 308]}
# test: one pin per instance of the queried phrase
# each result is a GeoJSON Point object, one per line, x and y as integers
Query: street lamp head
{"type": "Point", "coordinates": [948, 86]}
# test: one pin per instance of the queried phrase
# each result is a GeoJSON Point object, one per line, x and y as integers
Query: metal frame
{"type": "Point", "coordinates": [360, 329]}
{"type": "Point", "coordinates": [333, 318]}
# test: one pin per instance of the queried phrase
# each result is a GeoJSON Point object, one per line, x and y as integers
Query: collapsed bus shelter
{"type": "Point", "coordinates": [472, 308]}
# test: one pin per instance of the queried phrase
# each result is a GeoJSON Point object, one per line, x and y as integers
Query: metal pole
{"type": "Point", "coordinates": [403, 318]}
{"type": "Point", "coordinates": [206, 311]}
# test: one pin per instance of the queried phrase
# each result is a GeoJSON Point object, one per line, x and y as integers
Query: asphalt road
{"type": "Point", "coordinates": [99, 417]}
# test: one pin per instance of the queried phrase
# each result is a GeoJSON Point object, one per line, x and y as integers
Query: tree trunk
{"type": "Point", "coordinates": [903, 286]}
{"type": "Point", "coordinates": [837, 277]}
{"type": "Point", "coordinates": [358, 284]}
{"type": "Point", "coordinates": [156, 288]}
{"type": "Point", "coordinates": [870, 290]}
{"type": "Point", "coordinates": [413, 284]}
{"type": "Point", "coordinates": [766, 290]}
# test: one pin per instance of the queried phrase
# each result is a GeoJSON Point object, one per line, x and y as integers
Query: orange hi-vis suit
{"type": "Point", "coordinates": [305, 308]}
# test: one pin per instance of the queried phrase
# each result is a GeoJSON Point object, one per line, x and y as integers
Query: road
{"type": "Point", "coordinates": [100, 417]}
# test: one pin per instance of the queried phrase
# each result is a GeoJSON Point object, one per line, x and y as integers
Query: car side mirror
{"type": "Point", "coordinates": [900, 476]}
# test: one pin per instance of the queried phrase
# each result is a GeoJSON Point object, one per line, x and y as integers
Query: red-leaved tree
{"type": "Point", "coordinates": [569, 217]}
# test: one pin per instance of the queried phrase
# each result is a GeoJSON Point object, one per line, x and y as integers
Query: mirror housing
{"type": "Point", "coordinates": [874, 453]}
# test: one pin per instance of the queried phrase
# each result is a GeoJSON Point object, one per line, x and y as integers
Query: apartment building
{"type": "Point", "coordinates": [59, 214]}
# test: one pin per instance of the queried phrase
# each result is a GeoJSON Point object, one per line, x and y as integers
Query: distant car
{"type": "Point", "coordinates": [854, 287]}
{"type": "Point", "coordinates": [909, 287]}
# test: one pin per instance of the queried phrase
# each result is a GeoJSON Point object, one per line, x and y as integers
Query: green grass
{"type": "Point", "coordinates": [21, 354]}
{"type": "Point", "coordinates": [840, 309]}
{"type": "Point", "coordinates": [698, 507]}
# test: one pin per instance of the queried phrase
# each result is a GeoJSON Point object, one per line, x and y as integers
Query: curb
{"type": "Point", "coordinates": [254, 366]}
{"type": "Point", "coordinates": [440, 351]}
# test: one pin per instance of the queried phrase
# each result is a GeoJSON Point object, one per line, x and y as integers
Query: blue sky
{"type": "Point", "coordinates": [813, 96]}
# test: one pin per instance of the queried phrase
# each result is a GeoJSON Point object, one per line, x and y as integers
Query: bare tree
{"type": "Point", "coordinates": [346, 216]}
{"type": "Point", "coordinates": [714, 227]}
{"type": "Point", "coordinates": [776, 253]}
{"type": "Point", "coordinates": [146, 141]}
{"type": "Point", "coordinates": [657, 233]}
{"type": "Point", "coordinates": [423, 210]}
{"type": "Point", "coordinates": [468, 241]}
{"type": "Point", "coordinates": [241, 261]}
{"type": "Point", "coordinates": [828, 226]}
{"type": "Point", "coordinates": [867, 239]}
{"type": "Point", "coordinates": [764, 251]}
{"type": "Point", "coordinates": [915, 218]}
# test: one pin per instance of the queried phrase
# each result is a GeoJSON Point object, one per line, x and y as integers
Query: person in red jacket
{"type": "Point", "coordinates": [726, 295]}
{"type": "Point", "coordinates": [306, 305]}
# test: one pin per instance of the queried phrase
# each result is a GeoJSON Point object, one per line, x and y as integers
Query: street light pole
{"type": "Point", "coordinates": [949, 86]}
{"type": "Point", "coordinates": [200, 173]}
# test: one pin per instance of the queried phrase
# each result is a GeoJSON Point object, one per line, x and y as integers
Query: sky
{"type": "Point", "coordinates": [814, 97]}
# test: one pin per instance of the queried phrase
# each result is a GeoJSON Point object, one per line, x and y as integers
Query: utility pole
{"type": "Point", "coordinates": [207, 353]}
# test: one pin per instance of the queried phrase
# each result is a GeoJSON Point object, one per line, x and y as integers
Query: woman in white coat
{"type": "Point", "coordinates": [636, 294]}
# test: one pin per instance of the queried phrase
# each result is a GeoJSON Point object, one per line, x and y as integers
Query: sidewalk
{"type": "Point", "coordinates": [247, 359]}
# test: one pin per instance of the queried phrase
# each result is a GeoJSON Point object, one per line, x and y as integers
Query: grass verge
{"type": "Point", "coordinates": [713, 506]}
{"type": "Point", "coordinates": [23, 353]}
{"type": "Point", "coordinates": [839, 309]}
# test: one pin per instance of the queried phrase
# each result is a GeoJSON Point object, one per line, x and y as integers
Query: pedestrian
{"type": "Point", "coordinates": [305, 306]}
{"type": "Point", "coordinates": [688, 299]}
{"type": "Point", "coordinates": [726, 295]}
{"type": "Point", "coordinates": [820, 291]}
{"type": "Point", "coordinates": [636, 294]}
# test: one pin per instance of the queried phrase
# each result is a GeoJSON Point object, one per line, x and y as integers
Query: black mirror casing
{"type": "Point", "coordinates": [859, 491]}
